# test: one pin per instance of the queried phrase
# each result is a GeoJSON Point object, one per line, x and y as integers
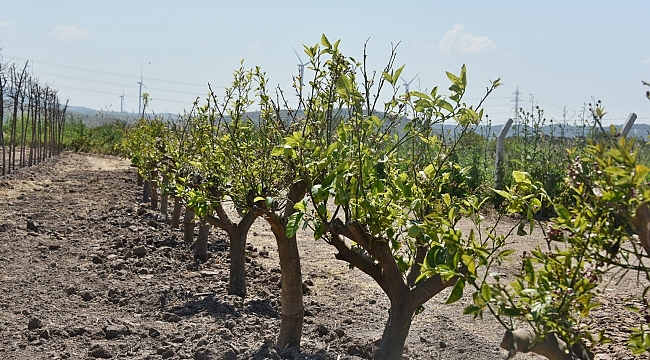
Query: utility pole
{"type": "Point", "coordinates": [532, 103]}
{"type": "Point", "coordinates": [122, 103]}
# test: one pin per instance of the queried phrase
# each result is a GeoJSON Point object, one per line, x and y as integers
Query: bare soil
{"type": "Point", "coordinates": [87, 271]}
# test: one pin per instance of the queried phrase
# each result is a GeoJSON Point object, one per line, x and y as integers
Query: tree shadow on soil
{"type": "Point", "coordinates": [270, 351]}
{"type": "Point", "coordinates": [217, 308]}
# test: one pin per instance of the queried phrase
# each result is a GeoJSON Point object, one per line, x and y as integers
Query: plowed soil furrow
{"type": "Point", "coordinates": [86, 271]}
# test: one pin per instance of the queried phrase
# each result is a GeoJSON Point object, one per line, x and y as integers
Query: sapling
{"type": "Point", "coordinates": [387, 176]}
{"type": "Point", "coordinates": [605, 232]}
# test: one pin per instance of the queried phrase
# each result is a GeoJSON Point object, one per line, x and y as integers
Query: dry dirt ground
{"type": "Point", "coordinates": [87, 271]}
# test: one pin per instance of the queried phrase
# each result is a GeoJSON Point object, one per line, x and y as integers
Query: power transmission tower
{"type": "Point", "coordinates": [516, 94]}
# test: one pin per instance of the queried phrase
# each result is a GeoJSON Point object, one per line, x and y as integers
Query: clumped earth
{"type": "Point", "coordinates": [88, 271]}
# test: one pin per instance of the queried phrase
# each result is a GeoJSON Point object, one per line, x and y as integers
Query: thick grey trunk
{"type": "Point", "coordinates": [395, 332]}
{"type": "Point", "coordinates": [237, 283]}
{"type": "Point", "coordinates": [176, 213]}
{"type": "Point", "coordinates": [201, 249]}
{"type": "Point", "coordinates": [164, 200]}
{"type": "Point", "coordinates": [163, 206]}
{"type": "Point", "coordinates": [292, 308]}
{"type": "Point", "coordinates": [237, 233]}
{"type": "Point", "coordinates": [188, 225]}
{"type": "Point", "coordinates": [154, 190]}
{"type": "Point", "coordinates": [146, 191]}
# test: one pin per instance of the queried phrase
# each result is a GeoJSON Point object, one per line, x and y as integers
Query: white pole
{"type": "Point", "coordinates": [628, 124]}
{"type": "Point", "coordinates": [498, 163]}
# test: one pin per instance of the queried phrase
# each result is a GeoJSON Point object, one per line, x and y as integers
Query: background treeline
{"type": "Point", "coordinates": [32, 119]}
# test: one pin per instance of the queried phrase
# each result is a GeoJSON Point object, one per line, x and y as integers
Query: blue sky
{"type": "Point", "coordinates": [558, 53]}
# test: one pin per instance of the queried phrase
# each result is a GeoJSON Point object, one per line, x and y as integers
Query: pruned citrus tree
{"type": "Point", "coordinates": [601, 238]}
{"type": "Point", "coordinates": [141, 144]}
{"type": "Point", "coordinates": [230, 161]}
{"type": "Point", "coordinates": [264, 185]}
{"type": "Point", "coordinates": [380, 184]}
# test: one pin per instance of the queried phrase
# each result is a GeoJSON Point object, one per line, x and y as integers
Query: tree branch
{"type": "Point", "coordinates": [363, 263]}
{"type": "Point", "coordinates": [247, 221]}
{"type": "Point", "coordinates": [392, 280]}
{"type": "Point", "coordinates": [429, 288]}
{"type": "Point", "coordinates": [420, 254]}
{"type": "Point", "coordinates": [296, 193]}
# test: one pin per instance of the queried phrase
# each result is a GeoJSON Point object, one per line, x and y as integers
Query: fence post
{"type": "Point", "coordinates": [628, 125]}
{"type": "Point", "coordinates": [498, 163]}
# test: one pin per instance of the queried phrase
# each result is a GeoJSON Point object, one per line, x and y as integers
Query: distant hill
{"type": "Point", "coordinates": [92, 117]}
{"type": "Point", "coordinates": [638, 130]}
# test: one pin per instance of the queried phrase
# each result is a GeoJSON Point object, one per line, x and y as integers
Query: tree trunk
{"type": "Point", "coordinates": [201, 249]}
{"type": "Point", "coordinates": [164, 199]}
{"type": "Point", "coordinates": [139, 181]}
{"type": "Point", "coordinates": [146, 190]}
{"type": "Point", "coordinates": [154, 190]}
{"type": "Point", "coordinates": [188, 225]}
{"type": "Point", "coordinates": [2, 116]}
{"type": "Point", "coordinates": [395, 332]}
{"type": "Point", "coordinates": [176, 213]}
{"type": "Point", "coordinates": [292, 307]}
{"type": "Point", "coordinates": [237, 285]}
{"type": "Point", "coordinates": [237, 281]}
{"type": "Point", "coordinates": [381, 265]}
{"type": "Point", "coordinates": [237, 233]}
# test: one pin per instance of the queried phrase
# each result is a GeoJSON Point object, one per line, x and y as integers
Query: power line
{"type": "Point", "coordinates": [113, 73]}
{"type": "Point", "coordinates": [113, 83]}
{"type": "Point", "coordinates": [129, 96]}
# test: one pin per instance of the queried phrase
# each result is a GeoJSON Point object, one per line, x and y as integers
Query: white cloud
{"type": "Point", "coordinates": [5, 23]}
{"type": "Point", "coordinates": [254, 47]}
{"type": "Point", "coordinates": [458, 40]}
{"type": "Point", "coordinates": [646, 61]}
{"type": "Point", "coordinates": [71, 33]}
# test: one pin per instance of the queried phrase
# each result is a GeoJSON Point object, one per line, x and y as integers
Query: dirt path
{"type": "Point", "coordinates": [88, 272]}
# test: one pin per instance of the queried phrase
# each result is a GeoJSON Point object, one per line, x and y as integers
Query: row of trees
{"type": "Point", "coordinates": [376, 182]}
{"type": "Point", "coordinates": [32, 118]}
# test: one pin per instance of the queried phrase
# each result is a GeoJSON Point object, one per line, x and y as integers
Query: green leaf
{"type": "Point", "coordinates": [447, 199]}
{"type": "Point", "coordinates": [486, 292]}
{"type": "Point", "coordinates": [470, 263]}
{"type": "Point", "coordinates": [472, 310]}
{"type": "Point", "coordinates": [277, 151]}
{"type": "Point", "coordinates": [456, 292]}
{"type": "Point", "coordinates": [453, 78]}
{"type": "Point", "coordinates": [463, 75]}
{"type": "Point", "coordinates": [325, 42]}
{"type": "Point", "coordinates": [562, 212]}
{"type": "Point", "coordinates": [445, 105]}
{"type": "Point", "coordinates": [506, 253]}
{"type": "Point", "coordinates": [505, 194]}
{"type": "Point", "coordinates": [521, 229]}
{"type": "Point", "coordinates": [398, 72]}
{"type": "Point", "coordinates": [301, 206]}
{"type": "Point", "coordinates": [521, 177]}
{"type": "Point", "coordinates": [294, 223]}
{"type": "Point", "coordinates": [511, 311]}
